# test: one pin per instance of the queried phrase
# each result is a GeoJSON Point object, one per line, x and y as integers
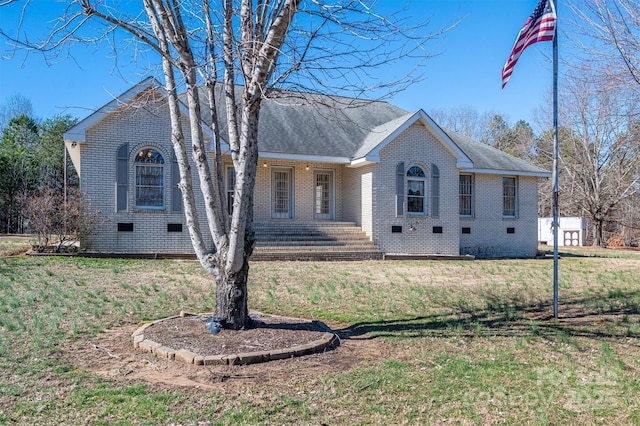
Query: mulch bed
{"type": "Point", "coordinates": [267, 333]}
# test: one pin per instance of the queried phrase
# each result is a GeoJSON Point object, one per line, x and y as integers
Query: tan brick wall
{"type": "Point", "coordinates": [416, 146]}
{"type": "Point", "coordinates": [352, 194]}
{"type": "Point", "coordinates": [141, 127]}
{"type": "Point", "coordinates": [489, 237]}
{"type": "Point", "coordinates": [358, 197]}
{"type": "Point", "coordinates": [303, 188]}
{"type": "Point", "coordinates": [365, 195]}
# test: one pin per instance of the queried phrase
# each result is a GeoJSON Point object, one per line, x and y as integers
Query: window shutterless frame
{"type": "Point", "coordinates": [466, 195]}
{"type": "Point", "coordinates": [509, 197]}
{"type": "Point", "coordinates": [323, 194]}
{"type": "Point", "coordinates": [230, 184]}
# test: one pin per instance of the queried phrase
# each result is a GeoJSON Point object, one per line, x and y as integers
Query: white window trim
{"type": "Point", "coordinates": [515, 197]}
{"type": "Point", "coordinates": [332, 206]}
{"type": "Point", "coordinates": [162, 166]}
{"type": "Point", "coordinates": [292, 202]}
{"type": "Point", "coordinates": [227, 188]}
{"type": "Point", "coordinates": [472, 196]}
{"type": "Point", "coordinates": [425, 198]}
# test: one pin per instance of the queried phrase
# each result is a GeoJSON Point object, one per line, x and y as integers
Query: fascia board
{"type": "Point", "coordinates": [224, 146]}
{"type": "Point", "coordinates": [464, 163]}
{"type": "Point", "coordinates": [363, 161]}
{"type": "Point", "coordinates": [448, 142]}
{"type": "Point", "coordinates": [78, 132]}
{"type": "Point", "coordinates": [375, 152]}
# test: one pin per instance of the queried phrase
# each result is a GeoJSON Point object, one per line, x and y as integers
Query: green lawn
{"type": "Point", "coordinates": [464, 342]}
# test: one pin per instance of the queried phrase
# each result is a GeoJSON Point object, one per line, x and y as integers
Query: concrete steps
{"type": "Point", "coordinates": [312, 241]}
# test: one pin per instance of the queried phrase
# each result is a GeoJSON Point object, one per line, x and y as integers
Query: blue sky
{"type": "Point", "coordinates": [466, 71]}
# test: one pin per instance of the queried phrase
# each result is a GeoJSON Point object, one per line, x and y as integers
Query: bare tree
{"type": "Point", "coordinates": [311, 45]}
{"type": "Point", "coordinates": [614, 28]}
{"type": "Point", "coordinates": [465, 120]}
{"type": "Point", "coordinates": [600, 157]}
{"type": "Point", "coordinates": [15, 106]}
{"type": "Point", "coordinates": [609, 35]}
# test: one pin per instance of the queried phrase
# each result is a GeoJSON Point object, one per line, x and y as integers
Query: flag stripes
{"type": "Point", "coordinates": [541, 26]}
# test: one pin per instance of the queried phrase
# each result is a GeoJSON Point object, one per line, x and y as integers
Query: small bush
{"type": "Point", "coordinates": [56, 222]}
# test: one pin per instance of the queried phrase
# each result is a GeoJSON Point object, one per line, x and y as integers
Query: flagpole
{"type": "Point", "coordinates": [555, 168]}
{"type": "Point", "coordinates": [542, 25]}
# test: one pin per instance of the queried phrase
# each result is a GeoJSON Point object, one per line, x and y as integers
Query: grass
{"type": "Point", "coordinates": [14, 244]}
{"type": "Point", "coordinates": [464, 342]}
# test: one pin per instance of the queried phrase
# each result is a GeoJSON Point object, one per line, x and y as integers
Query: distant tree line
{"type": "Point", "coordinates": [32, 161]}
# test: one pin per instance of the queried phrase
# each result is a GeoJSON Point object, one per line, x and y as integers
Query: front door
{"type": "Point", "coordinates": [323, 194]}
{"type": "Point", "coordinates": [281, 194]}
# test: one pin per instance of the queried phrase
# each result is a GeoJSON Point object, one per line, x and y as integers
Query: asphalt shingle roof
{"type": "Point", "coordinates": [485, 157]}
{"type": "Point", "coordinates": [318, 125]}
{"type": "Point", "coordinates": [332, 126]}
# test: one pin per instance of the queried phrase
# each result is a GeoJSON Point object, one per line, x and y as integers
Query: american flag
{"type": "Point", "coordinates": [541, 26]}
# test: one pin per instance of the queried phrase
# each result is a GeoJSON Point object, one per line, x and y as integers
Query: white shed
{"type": "Point", "coordinates": [571, 231]}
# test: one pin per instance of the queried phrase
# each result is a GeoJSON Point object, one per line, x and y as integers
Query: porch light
{"type": "Point", "coordinates": [264, 165]}
{"type": "Point", "coordinates": [306, 167]}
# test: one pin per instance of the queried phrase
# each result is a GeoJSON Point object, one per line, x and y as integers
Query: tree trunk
{"type": "Point", "coordinates": [599, 237]}
{"type": "Point", "coordinates": [231, 296]}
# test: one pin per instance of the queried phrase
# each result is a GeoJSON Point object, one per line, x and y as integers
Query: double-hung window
{"type": "Point", "coordinates": [416, 191]}
{"type": "Point", "coordinates": [466, 195]}
{"type": "Point", "coordinates": [230, 188]}
{"type": "Point", "coordinates": [149, 172]}
{"type": "Point", "coordinates": [509, 197]}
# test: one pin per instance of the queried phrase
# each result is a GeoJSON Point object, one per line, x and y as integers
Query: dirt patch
{"type": "Point", "coordinates": [112, 355]}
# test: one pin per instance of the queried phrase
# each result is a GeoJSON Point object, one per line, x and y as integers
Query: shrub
{"type": "Point", "coordinates": [57, 222]}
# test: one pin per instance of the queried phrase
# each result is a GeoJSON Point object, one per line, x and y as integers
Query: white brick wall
{"type": "Point", "coordinates": [352, 193]}
{"type": "Point", "coordinates": [367, 203]}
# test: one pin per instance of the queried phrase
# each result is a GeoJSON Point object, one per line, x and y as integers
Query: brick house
{"type": "Point", "coordinates": [410, 186]}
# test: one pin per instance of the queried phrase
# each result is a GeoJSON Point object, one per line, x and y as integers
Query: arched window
{"type": "Point", "coordinates": [149, 168]}
{"type": "Point", "coordinates": [416, 191]}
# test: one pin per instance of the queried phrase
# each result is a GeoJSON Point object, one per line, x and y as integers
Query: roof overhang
{"type": "Point", "coordinates": [74, 154]}
{"type": "Point", "coordinates": [304, 157]}
{"type": "Point", "coordinates": [506, 172]}
{"type": "Point", "coordinates": [364, 161]}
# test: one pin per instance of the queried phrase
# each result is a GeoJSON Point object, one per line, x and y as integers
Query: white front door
{"type": "Point", "coordinates": [281, 194]}
{"type": "Point", "coordinates": [323, 194]}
